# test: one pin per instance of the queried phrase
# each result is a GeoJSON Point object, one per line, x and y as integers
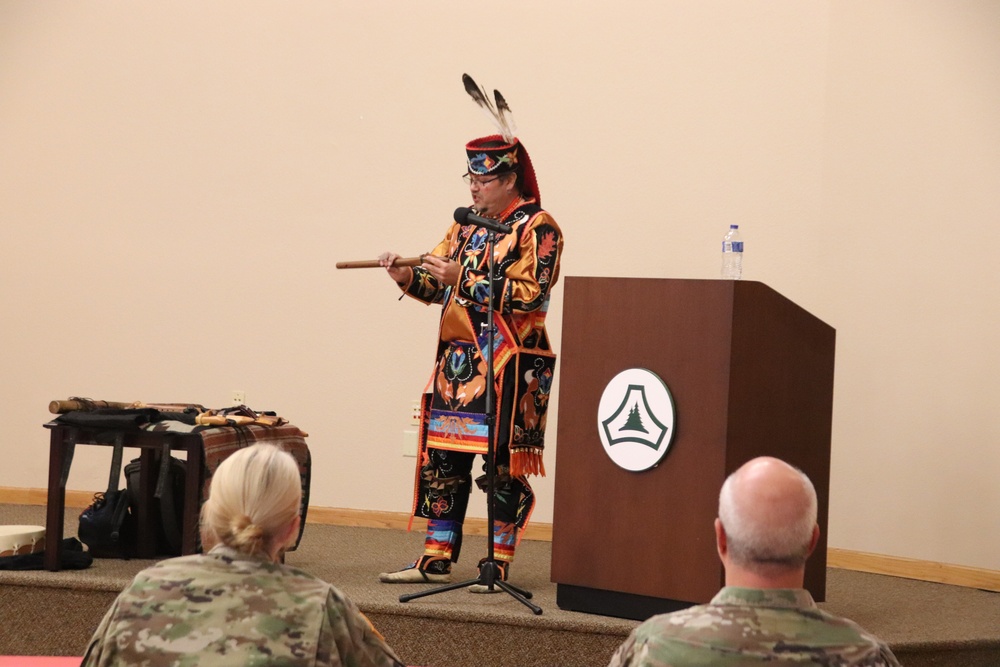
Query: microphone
{"type": "Point", "coordinates": [465, 216]}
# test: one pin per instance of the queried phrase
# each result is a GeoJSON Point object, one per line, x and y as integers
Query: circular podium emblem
{"type": "Point", "coordinates": [635, 419]}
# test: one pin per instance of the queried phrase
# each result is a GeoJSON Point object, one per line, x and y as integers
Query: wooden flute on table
{"type": "Point", "coordinates": [204, 416]}
{"type": "Point", "coordinates": [74, 404]}
{"type": "Point", "coordinates": [373, 263]}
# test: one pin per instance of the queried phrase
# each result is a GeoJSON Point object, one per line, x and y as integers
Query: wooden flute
{"type": "Point", "coordinates": [373, 263]}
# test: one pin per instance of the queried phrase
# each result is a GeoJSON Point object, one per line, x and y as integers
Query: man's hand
{"type": "Point", "coordinates": [401, 274]}
{"type": "Point", "coordinates": [445, 270]}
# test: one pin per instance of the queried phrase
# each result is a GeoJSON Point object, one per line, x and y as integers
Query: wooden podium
{"type": "Point", "coordinates": [751, 374]}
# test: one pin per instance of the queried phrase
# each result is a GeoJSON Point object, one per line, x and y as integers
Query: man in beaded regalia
{"type": "Point", "coordinates": [453, 426]}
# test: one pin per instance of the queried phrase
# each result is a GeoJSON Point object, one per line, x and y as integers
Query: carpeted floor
{"type": "Point", "coordinates": [48, 613]}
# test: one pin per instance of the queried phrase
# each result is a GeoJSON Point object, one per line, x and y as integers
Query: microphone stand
{"type": "Point", "coordinates": [489, 571]}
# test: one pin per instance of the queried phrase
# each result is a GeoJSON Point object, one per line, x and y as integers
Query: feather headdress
{"type": "Point", "coordinates": [500, 114]}
{"type": "Point", "coordinates": [499, 153]}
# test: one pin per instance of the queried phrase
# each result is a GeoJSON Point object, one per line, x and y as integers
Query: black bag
{"type": "Point", "coordinates": [107, 526]}
{"type": "Point", "coordinates": [167, 512]}
{"type": "Point", "coordinates": [71, 557]}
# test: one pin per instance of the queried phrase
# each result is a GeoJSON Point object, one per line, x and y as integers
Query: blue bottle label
{"type": "Point", "coordinates": [732, 246]}
{"type": "Point", "coordinates": [737, 246]}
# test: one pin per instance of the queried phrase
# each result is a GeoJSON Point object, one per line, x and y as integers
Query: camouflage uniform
{"type": "Point", "coordinates": [750, 626]}
{"type": "Point", "coordinates": [226, 608]}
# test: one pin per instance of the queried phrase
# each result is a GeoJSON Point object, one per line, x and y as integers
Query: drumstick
{"type": "Point", "coordinates": [373, 263]}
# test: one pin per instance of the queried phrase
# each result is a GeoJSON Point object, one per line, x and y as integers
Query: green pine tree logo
{"type": "Point", "coordinates": [634, 421]}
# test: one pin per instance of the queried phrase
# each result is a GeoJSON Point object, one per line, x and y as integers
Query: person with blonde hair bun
{"type": "Point", "coordinates": [240, 515]}
{"type": "Point", "coordinates": [237, 603]}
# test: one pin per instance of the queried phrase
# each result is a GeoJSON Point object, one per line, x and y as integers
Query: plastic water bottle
{"type": "Point", "coordinates": [732, 254]}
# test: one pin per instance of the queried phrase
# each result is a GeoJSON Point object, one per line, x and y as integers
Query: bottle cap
{"type": "Point", "coordinates": [734, 226]}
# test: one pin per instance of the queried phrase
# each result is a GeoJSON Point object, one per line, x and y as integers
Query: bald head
{"type": "Point", "coordinates": [767, 510]}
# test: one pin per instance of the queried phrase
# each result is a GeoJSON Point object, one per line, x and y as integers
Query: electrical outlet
{"type": "Point", "coordinates": [415, 413]}
{"type": "Point", "coordinates": [239, 397]}
{"type": "Point", "coordinates": [410, 443]}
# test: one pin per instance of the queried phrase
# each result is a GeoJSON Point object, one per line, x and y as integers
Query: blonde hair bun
{"type": "Point", "coordinates": [254, 496]}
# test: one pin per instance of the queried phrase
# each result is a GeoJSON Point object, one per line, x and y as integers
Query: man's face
{"type": "Point", "coordinates": [492, 194]}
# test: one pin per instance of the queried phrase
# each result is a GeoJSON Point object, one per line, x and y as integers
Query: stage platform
{"type": "Point", "coordinates": [54, 613]}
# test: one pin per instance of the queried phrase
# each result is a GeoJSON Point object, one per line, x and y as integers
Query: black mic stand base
{"type": "Point", "coordinates": [489, 576]}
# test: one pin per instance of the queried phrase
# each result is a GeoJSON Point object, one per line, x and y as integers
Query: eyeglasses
{"type": "Point", "coordinates": [469, 180]}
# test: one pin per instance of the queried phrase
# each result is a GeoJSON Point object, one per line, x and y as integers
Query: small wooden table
{"type": "Point", "coordinates": [206, 448]}
{"type": "Point", "coordinates": [62, 444]}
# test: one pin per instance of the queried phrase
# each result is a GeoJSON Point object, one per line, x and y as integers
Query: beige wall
{"type": "Point", "coordinates": [177, 180]}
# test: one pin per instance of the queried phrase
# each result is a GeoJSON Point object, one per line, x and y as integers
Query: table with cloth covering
{"type": "Point", "coordinates": [206, 448]}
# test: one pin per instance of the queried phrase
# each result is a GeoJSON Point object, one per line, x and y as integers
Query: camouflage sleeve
{"type": "Point", "coordinates": [623, 656]}
{"type": "Point", "coordinates": [348, 638]}
{"type": "Point", "coordinates": [887, 657]}
{"type": "Point", "coordinates": [93, 656]}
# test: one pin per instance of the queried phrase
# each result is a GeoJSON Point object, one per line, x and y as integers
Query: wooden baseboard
{"type": "Point", "coordinates": [895, 566]}
{"type": "Point", "coordinates": [910, 568]}
{"type": "Point", "coordinates": [15, 496]}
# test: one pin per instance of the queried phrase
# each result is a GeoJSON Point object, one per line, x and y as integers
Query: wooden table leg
{"type": "Point", "coordinates": [60, 459]}
{"type": "Point", "coordinates": [192, 494]}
